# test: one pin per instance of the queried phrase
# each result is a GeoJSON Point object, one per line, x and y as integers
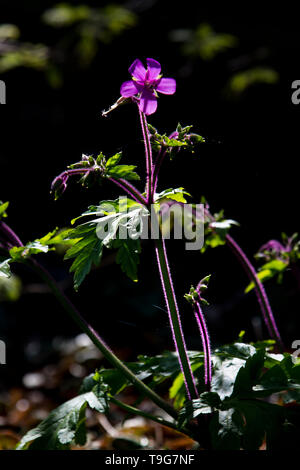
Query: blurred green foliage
{"type": "Point", "coordinates": [204, 41]}
{"type": "Point", "coordinates": [84, 28]}
{"type": "Point", "coordinates": [9, 31]}
{"type": "Point", "coordinates": [91, 25]}
{"type": "Point", "coordinates": [10, 288]}
{"type": "Point", "coordinates": [240, 81]}
{"type": "Point", "coordinates": [15, 53]}
{"type": "Point", "coordinates": [81, 30]}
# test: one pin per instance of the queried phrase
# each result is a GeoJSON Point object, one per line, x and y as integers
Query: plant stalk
{"type": "Point", "coordinates": [159, 161]}
{"type": "Point", "coordinates": [259, 289]}
{"type": "Point", "coordinates": [148, 154]}
{"type": "Point", "coordinates": [205, 342]}
{"type": "Point", "coordinates": [174, 319]}
{"type": "Point", "coordinates": [130, 189]}
{"type": "Point", "coordinates": [10, 234]}
{"type": "Point", "coordinates": [166, 279]}
{"type": "Point", "coordinates": [132, 410]}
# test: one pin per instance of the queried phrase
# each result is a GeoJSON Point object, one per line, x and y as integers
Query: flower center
{"type": "Point", "coordinates": [150, 84]}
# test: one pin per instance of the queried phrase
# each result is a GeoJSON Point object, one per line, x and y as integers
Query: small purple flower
{"type": "Point", "coordinates": [146, 83]}
{"type": "Point", "coordinates": [273, 246]}
{"type": "Point", "coordinates": [286, 251]}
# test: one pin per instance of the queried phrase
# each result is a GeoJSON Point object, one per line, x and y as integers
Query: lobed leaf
{"type": "Point", "coordinates": [87, 251]}
{"type": "Point", "coordinates": [65, 424]}
{"type": "Point", "coordinates": [128, 256]}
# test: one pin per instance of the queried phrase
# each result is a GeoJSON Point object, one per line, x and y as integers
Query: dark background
{"type": "Point", "coordinates": [248, 166]}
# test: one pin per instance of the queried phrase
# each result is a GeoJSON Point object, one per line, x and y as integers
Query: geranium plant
{"type": "Point", "coordinates": [220, 398]}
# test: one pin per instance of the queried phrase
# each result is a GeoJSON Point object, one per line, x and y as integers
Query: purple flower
{"type": "Point", "coordinates": [146, 83]}
{"type": "Point", "coordinates": [273, 246]}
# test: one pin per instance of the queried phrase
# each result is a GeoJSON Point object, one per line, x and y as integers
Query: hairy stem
{"type": "Point", "coordinates": [166, 279]}
{"type": "Point", "coordinates": [132, 410]}
{"type": "Point", "coordinates": [148, 154]}
{"type": "Point", "coordinates": [10, 234]}
{"type": "Point", "coordinates": [200, 319]}
{"type": "Point", "coordinates": [130, 189]}
{"type": "Point", "coordinates": [174, 319]}
{"type": "Point", "coordinates": [159, 161]}
{"type": "Point", "coordinates": [259, 289]}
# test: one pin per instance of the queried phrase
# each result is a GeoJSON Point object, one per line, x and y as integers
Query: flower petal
{"type": "Point", "coordinates": [137, 70]}
{"type": "Point", "coordinates": [154, 69]}
{"type": "Point", "coordinates": [166, 86]}
{"type": "Point", "coordinates": [148, 102]}
{"type": "Point", "coordinates": [129, 88]}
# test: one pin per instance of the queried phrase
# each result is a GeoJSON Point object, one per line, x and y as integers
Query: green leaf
{"type": "Point", "coordinates": [128, 256]}
{"type": "Point", "coordinates": [249, 374]}
{"type": "Point", "coordinates": [226, 430]}
{"type": "Point", "coordinates": [173, 142]}
{"type": "Point", "coordinates": [181, 138]}
{"type": "Point", "coordinates": [216, 231]}
{"type": "Point", "coordinates": [18, 253]}
{"type": "Point", "coordinates": [65, 424]}
{"type": "Point", "coordinates": [119, 225]}
{"type": "Point", "coordinates": [123, 171]}
{"type": "Point", "coordinates": [104, 208]}
{"type": "Point", "coordinates": [126, 225]}
{"type": "Point", "coordinates": [177, 391]}
{"type": "Point", "coordinates": [5, 268]}
{"type": "Point", "coordinates": [174, 194]}
{"type": "Point", "coordinates": [236, 350]}
{"type": "Point", "coordinates": [267, 271]}
{"type": "Point", "coordinates": [295, 373]}
{"type": "Point", "coordinates": [213, 240]}
{"type": "Point", "coordinates": [113, 161]}
{"type": "Point", "coordinates": [114, 379]}
{"type": "Point", "coordinates": [224, 375]}
{"type": "Point", "coordinates": [261, 420]}
{"type": "Point", "coordinates": [120, 171]}
{"type": "Point", "coordinates": [87, 251]}
{"type": "Point", "coordinates": [3, 207]}
{"type": "Point", "coordinates": [40, 245]}
{"type": "Point", "coordinates": [202, 405]}
{"type": "Point", "coordinates": [158, 368]}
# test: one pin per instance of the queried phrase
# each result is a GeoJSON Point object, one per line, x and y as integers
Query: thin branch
{"type": "Point", "coordinates": [156, 169]}
{"type": "Point", "coordinates": [148, 154]}
{"type": "Point", "coordinates": [159, 161]}
{"type": "Point", "coordinates": [259, 289]}
{"type": "Point", "coordinates": [132, 410]}
{"type": "Point", "coordinates": [200, 319]}
{"type": "Point", "coordinates": [174, 319]}
{"type": "Point", "coordinates": [130, 189]}
{"type": "Point", "coordinates": [10, 234]}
